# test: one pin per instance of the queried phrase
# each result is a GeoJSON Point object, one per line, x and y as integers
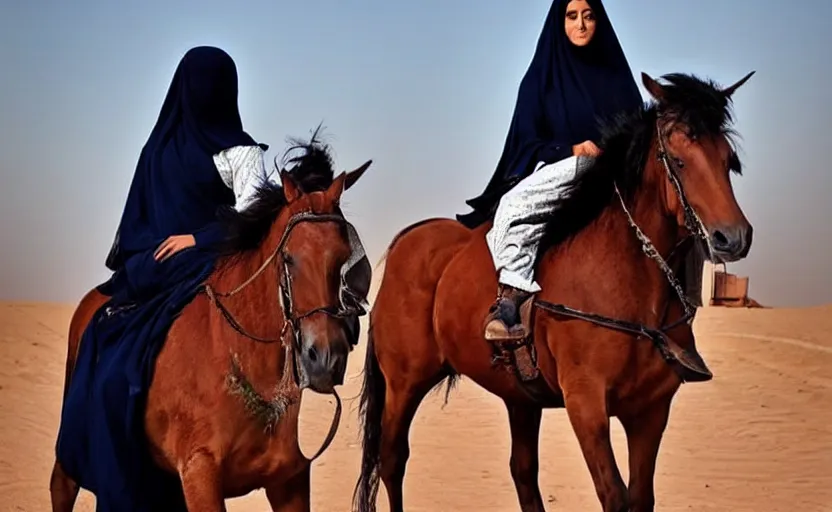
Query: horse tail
{"type": "Point", "coordinates": [371, 408]}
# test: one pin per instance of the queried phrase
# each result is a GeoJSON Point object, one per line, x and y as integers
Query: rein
{"type": "Point", "coordinates": [693, 223]}
{"type": "Point", "coordinates": [669, 350]}
{"type": "Point", "coordinates": [291, 318]}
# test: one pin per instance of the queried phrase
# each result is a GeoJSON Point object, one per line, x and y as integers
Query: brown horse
{"type": "Point", "coordinates": [269, 322]}
{"type": "Point", "coordinates": [598, 348]}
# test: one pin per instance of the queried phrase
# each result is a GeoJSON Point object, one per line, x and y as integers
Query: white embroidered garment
{"type": "Point", "coordinates": [242, 170]}
{"type": "Point", "coordinates": [515, 236]}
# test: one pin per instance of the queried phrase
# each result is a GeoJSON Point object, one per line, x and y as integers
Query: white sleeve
{"type": "Point", "coordinates": [242, 169]}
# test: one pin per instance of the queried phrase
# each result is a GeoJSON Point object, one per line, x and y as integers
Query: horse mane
{"type": "Point", "coordinates": [310, 165]}
{"type": "Point", "coordinates": [626, 141]}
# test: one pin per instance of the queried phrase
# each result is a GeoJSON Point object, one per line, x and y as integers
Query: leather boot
{"type": "Point", "coordinates": [503, 322]}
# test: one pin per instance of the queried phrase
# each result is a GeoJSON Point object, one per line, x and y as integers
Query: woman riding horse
{"type": "Point", "coordinates": [578, 75]}
{"type": "Point", "coordinates": [197, 160]}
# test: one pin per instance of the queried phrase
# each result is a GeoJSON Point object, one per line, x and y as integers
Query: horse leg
{"type": "Point", "coordinates": [292, 496]}
{"type": "Point", "coordinates": [524, 422]}
{"type": "Point", "coordinates": [201, 483]}
{"type": "Point", "coordinates": [63, 489]}
{"type": "Point", "coordinates": [644, 435]}
{"type": "Point", "coordinates": [399, 409]}
{"type": "Point", "coordinates": [587, 410]}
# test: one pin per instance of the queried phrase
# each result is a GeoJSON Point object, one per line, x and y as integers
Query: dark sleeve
{"type": "Point", "coordinates": [530, 139]}
{"type": "Point", "coordinates": [209, 236]}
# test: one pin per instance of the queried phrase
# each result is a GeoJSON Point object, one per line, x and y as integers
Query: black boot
{"type": "Point", "coordinates": [503, 322]}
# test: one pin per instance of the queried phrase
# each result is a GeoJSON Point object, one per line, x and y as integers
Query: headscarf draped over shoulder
{"type": "Point", "coordinates": [564, 92]}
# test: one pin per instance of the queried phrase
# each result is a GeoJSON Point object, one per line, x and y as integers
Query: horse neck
{"type": "Point", "coordinates": [252, 277]}
{"type": "Point", "coordinates": [607, 258]}
{"type": "Point", "coordinates": [648, 210]}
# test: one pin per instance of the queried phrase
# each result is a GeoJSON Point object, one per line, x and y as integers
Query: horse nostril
{"type": "Point", "coordinates": [720, 239]}
{"type": "Point", "coordinates": [313, 355]}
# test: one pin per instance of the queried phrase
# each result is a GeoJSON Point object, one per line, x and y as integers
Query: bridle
{"type": "Point", "coordinates": [291, 318]}
{"type": "Point", "coordinates": [670, 351]}
{"type": "Point", "coordinates": [693, 223]}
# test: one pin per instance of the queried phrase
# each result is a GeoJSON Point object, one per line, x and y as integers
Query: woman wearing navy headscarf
{"type": "Point", "coordinates": [578, 75]}
{"type": "Point", "coordinates": [197, 159]}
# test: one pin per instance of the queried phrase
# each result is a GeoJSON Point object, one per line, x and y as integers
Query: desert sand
{"type": "Point", "coordinates": [758, 437]}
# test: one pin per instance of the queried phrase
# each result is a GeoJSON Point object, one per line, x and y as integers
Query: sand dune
{"type": "Point", "coordinates": [759, 437]}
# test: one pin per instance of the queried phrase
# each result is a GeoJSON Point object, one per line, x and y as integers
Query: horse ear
{"type": "Point", "coordinates": [653, 87]}
{"type": "Point", "coordinates": [337, 187]}
{"type": "Point", "coordinates": [728, 91]}
{"type": "Point", "coordinates": [353, 176]}
{"type": "Point", "coordinates": [290, 188]}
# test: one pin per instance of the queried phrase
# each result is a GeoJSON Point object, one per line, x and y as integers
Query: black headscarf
{"type": "Point", "coordinates": [563, 94]}
{"type": "Point", "coordinates": [176, 188]}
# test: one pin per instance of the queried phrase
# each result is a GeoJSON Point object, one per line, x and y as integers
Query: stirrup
{"type": "Point", "coordinates": [497, 330]}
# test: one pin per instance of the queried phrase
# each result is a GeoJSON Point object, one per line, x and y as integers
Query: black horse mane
{"type": "Point", "coordinates": [308, 163]}
{"type": "Point", "coordinates": [626, 141]}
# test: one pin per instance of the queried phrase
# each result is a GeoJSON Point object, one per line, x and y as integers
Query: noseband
{"type": "Point", "coordinates": [291, 317]}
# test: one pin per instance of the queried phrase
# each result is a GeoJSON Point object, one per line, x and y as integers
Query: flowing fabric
{"type": "Point", "coordinates": [176, 190]}
{"type": "Point", "coordinates": [565, 92]}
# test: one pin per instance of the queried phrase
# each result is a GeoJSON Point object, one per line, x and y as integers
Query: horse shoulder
{"type": "Point", "coordinates": [187, 374]}
{"type": "Point", "coordinates": [596, 274]}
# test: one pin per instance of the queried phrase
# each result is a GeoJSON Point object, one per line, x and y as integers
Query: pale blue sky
{"type": "Point", "coordinates": [426, 89]}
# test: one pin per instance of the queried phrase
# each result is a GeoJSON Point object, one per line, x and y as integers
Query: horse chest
{"type": "Point", "coordinates": [262, 460]}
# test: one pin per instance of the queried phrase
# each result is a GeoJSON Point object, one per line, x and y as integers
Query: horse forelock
{"type": "Point", "coordinates": [310, 166]}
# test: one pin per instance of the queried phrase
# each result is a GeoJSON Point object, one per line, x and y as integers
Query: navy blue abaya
{"type": "Point", "coordinates": [563, 94]}
{"type": "Point", "coordinates": [176, 190]}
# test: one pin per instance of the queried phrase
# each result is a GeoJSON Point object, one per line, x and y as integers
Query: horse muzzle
{"type": "Point", "coordinates": [321, 366]}
{"type": "Point", "coordinates": [731, 243]}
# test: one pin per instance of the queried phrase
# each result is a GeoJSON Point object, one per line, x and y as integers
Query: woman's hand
{"type": "Point", "coordinates": [586, 148]}
{"type": "Point", "coordinates": [173, 245]}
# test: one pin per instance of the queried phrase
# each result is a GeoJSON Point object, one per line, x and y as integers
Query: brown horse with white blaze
{"type": "Point", "coordinates": [612, 333]}
{"type": "Point", "coordinates": [272, 319]}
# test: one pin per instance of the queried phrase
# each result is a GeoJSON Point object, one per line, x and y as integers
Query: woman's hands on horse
{"type": "Point", "coordinates": [586, 148]}
{"type": "Point", "coordinates": [173, 245]}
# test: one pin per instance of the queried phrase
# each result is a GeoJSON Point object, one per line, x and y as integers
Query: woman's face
{"type": "Point", "coordinates": [580, 22]}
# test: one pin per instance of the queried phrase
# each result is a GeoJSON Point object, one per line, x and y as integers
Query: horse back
{"type": "Point", "coordinates": [418, 255]}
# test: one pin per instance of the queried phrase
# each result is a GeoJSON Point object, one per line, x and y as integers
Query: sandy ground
{"type": "Point", "coordinates": [758, 437]}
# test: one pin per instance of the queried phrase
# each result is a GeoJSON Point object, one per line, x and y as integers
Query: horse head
{"type": "Point", "coordinates": [694, 146]}
{"type": "Point", "coordinates": [317, 248]}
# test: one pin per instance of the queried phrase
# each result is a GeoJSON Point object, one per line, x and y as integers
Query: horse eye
{"type": "Point", "coordinates": [288, 260]}
{"type": "Point", "coordinates": [679, 163]}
